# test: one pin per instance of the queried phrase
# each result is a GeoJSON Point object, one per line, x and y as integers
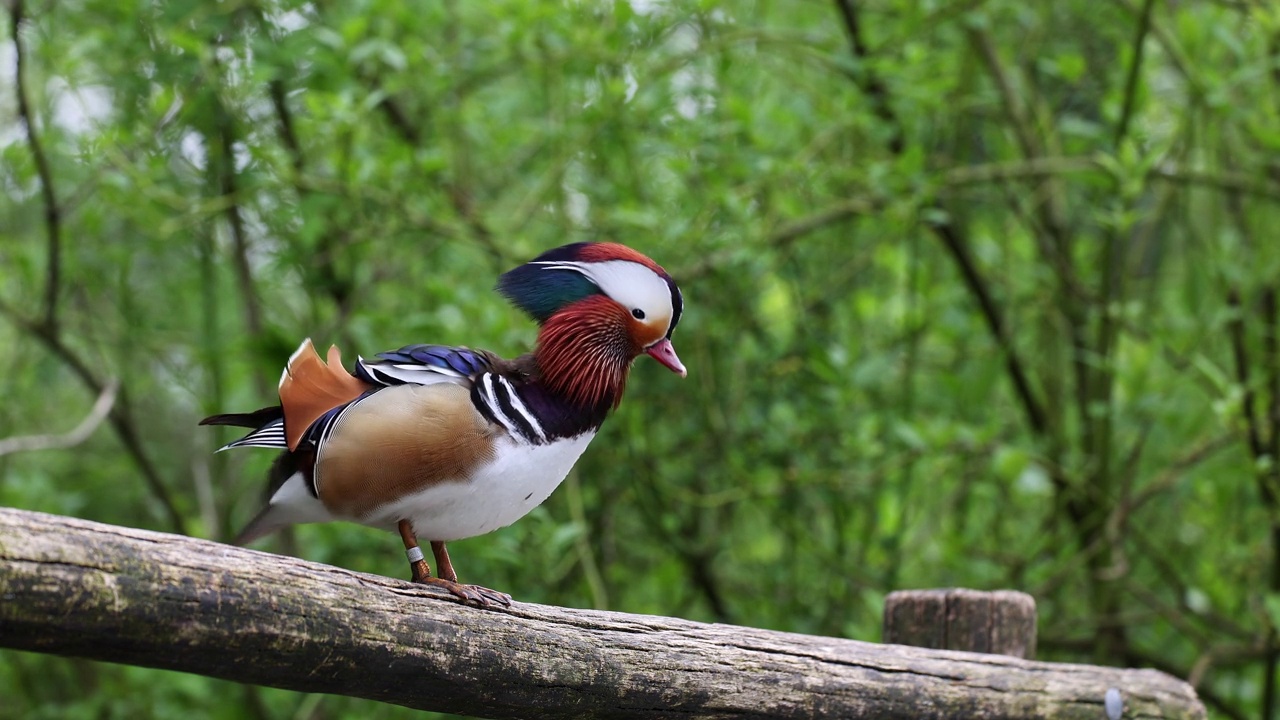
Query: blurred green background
{"type": "Point", "coordinates": [979, 293]}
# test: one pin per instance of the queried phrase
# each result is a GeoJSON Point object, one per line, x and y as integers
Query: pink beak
{"type": "Point", "coordinates": [665, 353]}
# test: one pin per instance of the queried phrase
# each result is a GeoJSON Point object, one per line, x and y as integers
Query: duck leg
{"type": "Point", "coordinates": [442, 561]}
{"type": "Point", "coordinates": [417, 563]}
{"type": "Point", "coordinates": [483, 597]}
{"type": "Point", "coordinates": [444, 568]}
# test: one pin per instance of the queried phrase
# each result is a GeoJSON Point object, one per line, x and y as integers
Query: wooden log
{"type": "Point", "coordinates": [1001, 622]}
{"type": "Point", "coordinates": [84, 589]}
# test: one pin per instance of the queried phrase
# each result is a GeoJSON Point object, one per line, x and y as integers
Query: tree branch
{"type": "Point", "coordinates": [868, 82]}
{"type": "Point", "coordinates": [1173, 52]}
{"type": "Point", "coordinates": [787, 233]}
{"type": "Point", "coordinates": [1042, 167]}
{"type": "Point", "coordinates": [995, 323]}
{"type": "Point", "coordinates": [288, 135]}
{"type": "Point", "coordinates": [952, 237]}
{"type": "Point", "coordinates": [1239, 354]}
{"type": "Point", "coordinates": [1010, 99]}
{"type": "Point", "coordinates": [1170, 476]}
{"type": "Point", "coordinates": [85, 589]}
{"type": "Point", "coordinates": [120, 418]}
{"type": "Point", "coordinates": [338, 287]}
{"type": "Point", "coordinates": [1271, 362]}
{"type": "Point", "coordinates": [1135, 68]}
{"type": "Point", "coordinates": [399, 120]}
{"type": "Point", "coordinates": [459, 198]}
{"type": "Point", "coordinates": [52, 213]}
{"type": "Point", "coordinates": [223, 168]}
{"type": "Point", "coordinates": [1054, 241]}
{"type": "Point", "coordinates": [101, 408]}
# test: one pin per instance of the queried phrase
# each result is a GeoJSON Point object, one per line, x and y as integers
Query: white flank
{"type": "Point", "coordinates": [518, 479]}
{"type": "Point", "coordinates": [294, 503]}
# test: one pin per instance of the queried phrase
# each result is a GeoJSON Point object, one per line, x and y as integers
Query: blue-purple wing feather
{"type": "Point", "coordinates": [424, 364]}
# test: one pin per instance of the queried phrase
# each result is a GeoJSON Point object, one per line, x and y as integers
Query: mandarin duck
{"type": "Point", "coordinates": [448, 442]}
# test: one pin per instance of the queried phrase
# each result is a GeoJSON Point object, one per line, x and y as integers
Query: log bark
{"type": "Point", "coordinates": [84, 589]}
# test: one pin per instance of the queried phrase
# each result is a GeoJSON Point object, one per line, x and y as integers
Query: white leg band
{"type": "Point", "coordinates": [414, 554]}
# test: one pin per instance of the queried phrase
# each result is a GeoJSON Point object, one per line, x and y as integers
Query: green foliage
{"type": "Point", "coordinates": [986, 298]}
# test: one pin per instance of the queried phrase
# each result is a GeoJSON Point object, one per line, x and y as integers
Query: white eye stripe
{"type": "Point", "coordinates": [631, 284]}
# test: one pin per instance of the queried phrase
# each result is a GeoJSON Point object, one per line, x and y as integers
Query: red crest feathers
{"type": "Point", "coordinates": [605, 251]}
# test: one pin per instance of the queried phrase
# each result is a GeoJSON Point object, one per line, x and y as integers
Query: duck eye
{"type": "Point", "coordinates": [637, 314]}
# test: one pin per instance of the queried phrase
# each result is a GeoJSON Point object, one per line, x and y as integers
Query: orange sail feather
{"type": "Point", "coordinates": [310, 387]}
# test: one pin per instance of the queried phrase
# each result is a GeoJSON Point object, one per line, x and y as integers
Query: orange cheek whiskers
{"type": "Point", "coordinates": [584, 351]}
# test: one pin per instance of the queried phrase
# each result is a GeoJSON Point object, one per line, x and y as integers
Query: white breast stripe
{"type": "Point", "coordinates": [491, 399]}
{"type": "Point", "coordinates": [520, 407]}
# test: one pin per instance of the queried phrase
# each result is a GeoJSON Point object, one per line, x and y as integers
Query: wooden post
{"type": "Point", "coordinates": [1002, 622]}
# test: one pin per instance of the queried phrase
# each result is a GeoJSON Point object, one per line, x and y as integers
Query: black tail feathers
{"type": "Point", "coordinates": [255, 419]}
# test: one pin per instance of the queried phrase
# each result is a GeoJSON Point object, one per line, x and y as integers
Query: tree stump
{"type": "Point", "coordinates": [1002, 622]}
